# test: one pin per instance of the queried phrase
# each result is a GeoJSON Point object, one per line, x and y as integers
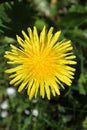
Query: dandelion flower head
{"type": "Point", "coordinates": [41, 63]}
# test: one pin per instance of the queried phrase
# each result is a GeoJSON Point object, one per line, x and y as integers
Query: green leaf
{"type": "Point", "coordinates": [73, 19]}
{"type": "Point", "coordinates": [78, 8]}
{"type": "Point", "coordinates": [84, 123]}
{"type": "Point", "coordinates": [82, 83]}
{"type": "Point", "coordinates": [78, 35]}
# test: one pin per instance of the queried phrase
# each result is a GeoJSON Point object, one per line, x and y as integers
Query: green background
{"type": "Point", "coordinates": [65, 112]}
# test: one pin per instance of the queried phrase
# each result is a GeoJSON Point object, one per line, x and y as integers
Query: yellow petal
{"type": "Point", "coordinates": [56, 87]}
{"type": "Point", "coordinates": [55, 38]}
{"type": "Point", "coordinates": [43, 38]}
{"type": "Point", "coordinates": [42, 91]}
{"type": "Point", "coordinates": [30, 34]}
{"type": "Point", "coordinates": [25, 36]}
{"type": "Point", "coordinates": [64, 79]}
{"type": "Point", "coordinates": [32, 91]}
{"type": "Point", "coordinates": [14, 69]}
{"type": "Point", "coordinates": [53, 91]}
{"type": "Point", "coordinates": [49, 35]}
{"type": "Point", "coordinates": [47, 90]}
{"type": "Point", "coordinates": [29, 86]}
{"type": "Point", "coordinates": [22, 86]}
{"type": "Point", "coordinates": [37, 88]}
{"type": "Point", "coordinates": [16, 79]}
{"type": "Point", "coordinates": [20, 41]}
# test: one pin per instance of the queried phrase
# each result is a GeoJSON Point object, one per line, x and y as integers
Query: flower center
{"type": "Point", "coordinates": [43, 65]}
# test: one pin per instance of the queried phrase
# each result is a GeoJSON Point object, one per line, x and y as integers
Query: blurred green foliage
{"type": "Point", "coordinates": [65, 112]}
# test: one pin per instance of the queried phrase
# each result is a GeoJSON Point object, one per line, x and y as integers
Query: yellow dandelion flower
{"type": "Point", "coordinates": [41, 63]}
